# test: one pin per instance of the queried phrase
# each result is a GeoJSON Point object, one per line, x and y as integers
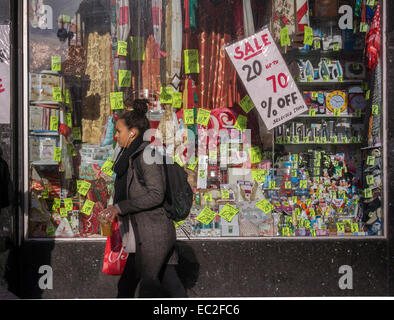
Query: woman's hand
{"type": "Point", "coordinates": [108, 215]}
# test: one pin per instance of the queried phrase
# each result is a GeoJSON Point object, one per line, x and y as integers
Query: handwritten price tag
{"type": "Point", "coordinates": [137, 47]}
{"type": "Point", "coordinates": [246, 104]}
{"type": "Point", "coordinates": [192, 163]}
{"type": "Point", "coordinates": [57, 94]}
{"type": "Point", "coordinates": [56, 204]}
{"type": "Point", "coordinates": [188, 116]}
{"type": "Point", "coordinates": [203, 117]}
{"type": "Point", "coordinates": [122, 48]}
{"type": "Point", "coordinates": [166, 95]}
{"type": "Point", "coordinates": [56, 63]}
{"type": "Point", "coordinates": [57, 154]}
{"type": "Point", "coordinates": [107, 167]}
{"type": "Point", "coordinates": [265, 206]}
{"type": "Point", "coordinates": [116, 100]}
{"type": "Point", "coordinates": [258, 175]}
{"type": "Point", "coordinates": [191, 61]}
{"type": "Point", "coordinates": [284, 36]}
{"type": "Point", "coordinates": [87, 207]}
{"type": "Point", "coordinates": [124, 78]}
{"type": "Point", "coordinates": [54, 123]}
{"type": "Point", "coordinates": [303, 184]}
{"type": "Point", "coordinates": [370, 160]}
{"type": "Point", "coordinates": [312, 112]}
{"type": "Point", "coordinates": [228, 212]}
{"type": "Point", "coordinates": [206, 216]}
{"type": "Point", "coordinates": [177, 100]}
{"type": "Point", "coordinates": [68, 204]}
{"type": "Point", "coordinates": [68, 119]}
{"type": "Point", "coordinates": [308, 35]}
{"type": "Point", "coordinates": [83, 187]}
{"type": "Point", "coordinates": [255, 155]}
{"type": "Point", "coordinates": [241, 123]}
{"type": "Point", "coordinates": [370, 179]}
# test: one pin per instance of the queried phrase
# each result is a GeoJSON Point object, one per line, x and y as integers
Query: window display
{"type": "Point", "coordinates": [256, 169]}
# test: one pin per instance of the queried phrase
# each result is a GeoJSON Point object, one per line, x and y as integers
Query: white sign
{"type": "Point", "coordinates": [267, 79]}
{"type": "Point", "coordinates": [4, 74]}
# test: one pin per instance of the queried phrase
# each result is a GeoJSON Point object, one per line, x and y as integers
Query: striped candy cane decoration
{"type": "Point", "coordinates": [302, 14]}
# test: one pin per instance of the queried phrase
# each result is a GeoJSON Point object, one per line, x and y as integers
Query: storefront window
{"type": "Point", "coordinates": [316, 174]}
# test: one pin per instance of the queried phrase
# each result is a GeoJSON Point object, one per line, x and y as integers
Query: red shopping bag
{"type": "Point", "coordinates": [114, 257]}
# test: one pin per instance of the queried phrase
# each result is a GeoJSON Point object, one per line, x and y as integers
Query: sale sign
{"type": "Point", "coordinates": [267, 78]}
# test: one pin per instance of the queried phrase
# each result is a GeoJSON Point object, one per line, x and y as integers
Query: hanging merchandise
{"type": "Point", "coordinates": [373, 41]}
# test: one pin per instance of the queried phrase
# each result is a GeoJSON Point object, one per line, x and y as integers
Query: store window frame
{"type": "Point", "coordinates": [24, 123]}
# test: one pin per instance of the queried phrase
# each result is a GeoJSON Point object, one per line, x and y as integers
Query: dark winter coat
{"type": "Point", "coordinates": [143, 217]}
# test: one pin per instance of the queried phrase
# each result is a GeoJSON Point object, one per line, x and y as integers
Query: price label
{"type": "Point", "coordinates": [116, 100]}
{"type": "Point", "coordinates": [258, 175]}
{"type": "Point", "coordinates": [57, 154]}
{"type": "Point", "coordinates": [338, 172]}
{"type": "Point", "coordinates": [286, 232]}
{"type": "Point", "coordinates": [246, 104]}
{"type": "Point", "coordinates": [326, 77]}
{"type": "Point", "coordinates": [309, 78]}
{"type": "Point", "coordinates": [192, 163]}
{"type": "Point", "coordinates": [68, 119]}
{"type": "Point", "coordinates": [345, 139]}
{"type": "Point", "coordinates": [303, 184]}
{"type": "Point", "coordinates": [77, 133]}
{"type": "Point", "coordinates": [67, 96]}
{"type": "Point", "coordinates": [316, 139]}
{"type": "Point", "coordinates": [66, 18]}
{"type": "Point", "coordinates": [56, 204]}
{"type": "Point", "coordinates": [45, 193]}
{"type": "Point", "coordinates": [337, 112]}
{"type": "Point", "coordinates": [340, 227]}
{"type": "Point", "coordinates": [295, 139]}
{"type": "Point", "coordinates": [56, 63]}
{"type": "Point", "coordinates": [166, 95]}
{"type": "Point", "coordinates": [54, 123]}
{"type": "Point", "coordinates": [124, 78]}
{"type": "Point", "coordinates": [353, 139]}
{"type": "Point", "coordinates": [313, 232]}
{"type": "Point", "coordinates": [288, 185]}
{"type": "Point", "coordinates": [57, 94]}
{"type": "Point", "coordinates": [305, 140]}
{"type": "Point", "coordinates": [83, 187]}
{"type": "Point", "coordinates": [272, 184]}
{"type": "Point", "coordinates": [341, 194]}
{"type": "Point", "coordinates": [201, 174]}
{"type": "Point", "coordinates": [333, 194]}
{"type": "Point", "coordinates": [177, 100]}
{"type": "Point", "coordinates": [312, 212]}
{"type": "Point", "coordinates": [363, 27]}
{"type": "Point", "coordinates": [241, 123]}
{"type": "Point", "coordinates": [279, 140]}
{"type": "Point", "coordinates": [178, 223]}
{"type": "Point", "coordinates": [287, 139]}
{"type": "Point", "coordinates": [367, 94]}
{"type": "Point", "coordinates": [265, 206]}
{"type": "Point", "coordinates": [316, 44]}
{"type": "Point", "coordinates": [370, 160]}
{"type": "Point", "coordinates": [375, 109]}
{"type": "Point", "coordinates": [323, 139]}
{"type": "Point", "coordinates": [68, 204]}
{"type": "Point", "coordinates": [191, 59]}
{"type": "Point", "coordinates": [225, 194]}
{"type": "Point", "coordinates": [284, 36]}
{"type": "Point", "coordinates": [107, 167]}
{"type": "Point", "coordinates": [370, 3]}
{"type": "Point", "coordinates": [178, 160]}
{"type": "Point", "coordinates": [312, 112]}
{"type": "Point", "coordinates": [367, 193]}
{"type": "Point", "coordinates": [255, 155]}
{"type": "Point", "coordinates": [334, 139]}
{"type": "Point", "coordinates": [122, 48]}
{"type": "Point", "coordinates": [340, 78]}
{"type": "Point", "coordinates": [208, 197]}
{"type": "Point", "coordinates": [335, 47]}
{"type": "Point", "coordinates": [370, 180]}
{"type": "Point", "coordinates": [294, 173]}
{"type": "Point", "coordinates": [188, 116]}
{"type": "Point", "coordinates": [203, 117]}
{"type": "Point", "coordinates": [87, 207]}
{"type": "Point", "coordinates": [354, 227]}
{"type": "Point", "coordinates": [206, 216]}
{"type": "Point", "coordinates": [137, 48]}
{"type": "Point", "coordinates": [63, 212]}
{"type": "Point", "coordinates": [228, 212]}
{"type": "Point", "coordinates": [316, 171]}
{"type": "Point", "coordinates": [308, 35]}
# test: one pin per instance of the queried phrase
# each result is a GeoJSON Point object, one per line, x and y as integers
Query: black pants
{"type": "Point", "coordinates": [168, 286]}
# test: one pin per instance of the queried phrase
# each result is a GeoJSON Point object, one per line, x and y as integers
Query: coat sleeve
{"type": "Point", "coordinates": [153, 191]}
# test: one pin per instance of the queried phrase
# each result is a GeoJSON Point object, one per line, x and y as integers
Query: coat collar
{"type": "Point", "coordinates": [130, 172]}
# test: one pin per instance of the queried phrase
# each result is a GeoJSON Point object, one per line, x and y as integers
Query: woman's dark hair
{"type": "Point", "coordinates": [136, 118]}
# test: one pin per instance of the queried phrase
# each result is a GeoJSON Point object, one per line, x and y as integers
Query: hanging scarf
{"type": "Point", "coordinates": [373, 41]}
{"type": "Point", "coordinates": [121, 167]}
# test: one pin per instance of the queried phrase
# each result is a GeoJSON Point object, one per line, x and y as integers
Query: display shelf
{"type": "Point", "coordinates": [44, 163]}
{"type": "Point", "coordinates": [44, 133]}
{"type": "Point", "coordinates": [330, 116]}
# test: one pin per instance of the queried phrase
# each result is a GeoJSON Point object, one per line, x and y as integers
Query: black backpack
{"type": "Point", "coordinates": [179, 195]}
